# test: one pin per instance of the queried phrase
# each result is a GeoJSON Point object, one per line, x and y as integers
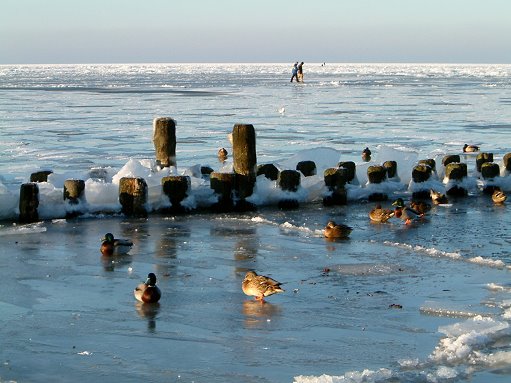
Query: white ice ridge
{"type": "Point", "coordinates": [432, 252]}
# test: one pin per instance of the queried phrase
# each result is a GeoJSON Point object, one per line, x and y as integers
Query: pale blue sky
{"type": "Point", "coordinates": [137, 31]}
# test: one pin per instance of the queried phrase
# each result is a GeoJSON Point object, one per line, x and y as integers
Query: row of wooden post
{"type": "Point", "coordinates": [234, 188]}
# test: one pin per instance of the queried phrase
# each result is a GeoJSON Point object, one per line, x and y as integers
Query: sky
{"type": "Point", "coordinates": [239, 31]}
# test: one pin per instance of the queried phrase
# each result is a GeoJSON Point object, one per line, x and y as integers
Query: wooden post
{"type": "Point", "coordinates": [507, 161]}
{"type": "Point", "coordinates": [29, 202]}
{"type": "Point", "coordinates": [490, 170]}
{"type": "Point", "coordinates": [376, 174]}
{"type": "Point", "coordinates": [270, 171]}
{"type": "Point", "coordinates": [456, 171]}
{"type": "Point", "coordinates": [390, 168]}
{"type": "Point", "coordinates": [41, 176]}
{"type": "Point", "coordinates": [429, 162]}
{"type": "Point", "coordinates": [223, 185]}
{"type": "Point", "coordinates": [289, 180]}
{"type": "Point", "coordinates": [133, 196]}
{"type": "Point", "coordinates": [350, 169]}
{"type": "Point", "coordinates": [73, 191]}
{"type": "Point", "coordinates": [450, 159]}
{"type": "Point", "coordinates": [244, 158]}
{"type": "Point", "coordinates": [164, 139]}
{"type": "Point", "coordinates": [335, 180]}
{"type": "Point", "coordinates": [307, 168]}
{"type": "Point", "coordinates": [483, 158]}
{"type": "Point", "coordinates": [421, 173]}
{"type": "Point", "coordinates": [176, 188]}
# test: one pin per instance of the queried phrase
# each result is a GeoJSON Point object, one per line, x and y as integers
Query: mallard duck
{"type": "Point", "coordinates": [260, 286]}
{"type": "Point", "coordinates": [438, 198]}
{"type": "Point", "coordinates": [114, 246]}
{"type": "Point", "coordinates": [380, 215]}
{"type": "Point", "coordinates": [333, 230]}
{"type": "Point", "coordinates": [366, 155]}
{"type": "Point", "coordinates": [498, 197]}
{"type": "Point", "coordinates": [148, 292]}
{"type": "Point", "coordinates": [470, 148]}
{"type": "Point", "coordinates": [222, 154]}
{"type": "Point", "coordinates": [420, 206]}
{"type": "Point", "coordinates": [403, 212]}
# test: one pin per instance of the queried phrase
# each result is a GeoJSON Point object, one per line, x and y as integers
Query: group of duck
{"type": "Point", "coordinates": [258, 286]}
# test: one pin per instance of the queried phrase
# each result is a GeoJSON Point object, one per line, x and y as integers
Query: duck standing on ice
{"type": "Point", "coordinates": [260, 286]}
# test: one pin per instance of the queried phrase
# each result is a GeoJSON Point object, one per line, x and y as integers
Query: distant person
{"type": "Point", "coordinates": [294, 72]}
{"type": "Point", "coordinates": [299, 77]}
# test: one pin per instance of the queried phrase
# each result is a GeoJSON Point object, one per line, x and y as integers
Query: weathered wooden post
{"type": "Point", "coordinates": [289, 180]}
{"type": "Point", "coordinates": [335, 181]}
{"type": "Point", "coordinates": [420, 174]}
{"type": "Point", "coordinates": [41, 176]}
{"type": "Point", "coordinates": [376, 174]}
{"type": "Point", "coordinates": [450, 158]}
{"type": "Point", "coordinates": [176, 188]}
{"type": "Point", "coordinates": [489, 171]}
{"type": "Point", "coordinates": [73, 195]}
{"type": "Point", "coordinates": [483, 158]}
{"type": "Point", "coordinates": [507, 161]}
{"type": "Point", "coordinates": [390, 168]}
{"type": "Point", "coordinates": [350, 169]}
{"type": "Point", "coordinates": [164, 139]}
{"type": "Point", "coordinates": [456, 171]}
{"type": "Point", "coordinates": [244, 158]}
{"type": "Point", "coordinates": [133, 196]}
{"type": "Point", "coordinates": [223, 185]}
{"type": "Point", "coordinates": [270, 171]}
{"type": "Point", "coordinates": [73, 191]}
{"type": "Point", "coordinates": [429, 162]}
{"type": "Point", "coordinates": [29, 202]}
{"type": "Point", "coordinates": [307, 168]}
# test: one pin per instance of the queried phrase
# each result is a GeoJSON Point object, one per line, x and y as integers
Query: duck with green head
{"type": "Point", "coordinates": [148, 292]}
{"type": "Point", "coordinates": [405, 213]}
{"type": "Point", "coordinates": [114, 246]}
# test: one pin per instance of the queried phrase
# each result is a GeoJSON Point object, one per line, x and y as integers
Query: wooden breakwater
{"type": "Point", "coordinates": [234, 189]}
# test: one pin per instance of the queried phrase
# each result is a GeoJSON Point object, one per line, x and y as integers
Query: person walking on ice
{"type": "Point", "coordinates": [295, 72]}
{"type": "Point", "coordinates": [299, 77]}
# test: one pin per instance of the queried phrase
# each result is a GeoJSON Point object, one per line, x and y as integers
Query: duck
{"type": "Point", "coordinates": [222, 154]}
{"type": "Point", "coordinates": [380, 215]}
{"type": "Point", "coordinates": [420, 206]}
{"type": "Point", "coordinates": [470, 148]}
{"type": "Point", "coordinates": [148, 292]}
{"type": "Point", "coordinates": [405, 213]}
{"type": "Point", "coordinates": [366, 155]}
{"type": "Point", "coordinates": [498, 197]}
{"type": "Point", "coordinates": [334, 230]}
{"type": "Point", "coordinates": [114, 246]}
{"type": "Point", "coordinates": [260, 286]}
{"type": "Point", "coordinates": [438, 198]}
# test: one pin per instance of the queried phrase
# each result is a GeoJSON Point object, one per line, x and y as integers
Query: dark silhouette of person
{"type": "Point", "coordinates": [294, 72]}
{"type": "Point", "coordinates": [299, 76]}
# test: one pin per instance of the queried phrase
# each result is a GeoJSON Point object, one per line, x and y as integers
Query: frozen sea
{"type": "Point", "coordinates": [427, 302]}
